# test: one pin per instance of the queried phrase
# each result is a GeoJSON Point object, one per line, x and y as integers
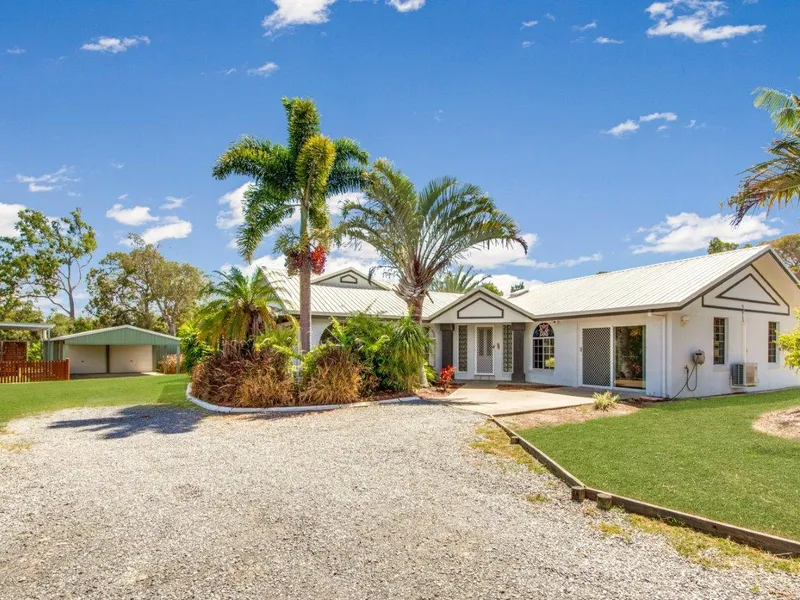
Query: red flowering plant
{"type": "Point", "coordinates": [446, 377]}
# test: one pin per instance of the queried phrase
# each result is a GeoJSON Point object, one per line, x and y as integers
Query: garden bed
{"type": "Point", "coordinates": [298, 408]}
{"type": "Point", "coordinates": [562, 416]}
{"type": "Point", "coordinates": [435, 393]}
{"type": "Point", "coordinates": [782, 423]}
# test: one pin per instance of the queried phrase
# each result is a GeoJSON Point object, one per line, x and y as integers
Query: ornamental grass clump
{"type": "Point", "coordinates": [331, 375]}
{"type": "Point", "coordinates": [240, 375]}
{"type": "Point", "coordinates": [605, 401]}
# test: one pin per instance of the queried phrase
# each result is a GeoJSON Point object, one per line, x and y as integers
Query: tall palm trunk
{"type": "Point", "coordinates": [415, 305]}
{"type": "Point", "coordinates": [305, 280]}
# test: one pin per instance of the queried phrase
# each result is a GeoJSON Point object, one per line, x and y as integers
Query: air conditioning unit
{"type": "Point", "coordinates": [744, 374]}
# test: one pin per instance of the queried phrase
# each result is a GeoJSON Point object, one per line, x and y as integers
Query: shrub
{"type": "Point", "coordinates": [446, 377]}
{"type": "Point", "coordinates": [168, 365]}
{"type": "Point", "coordinates": [193, 349]}
{"type": "Point", "coordinates": [604, 401]}
{"type": "Point", "coordinates": [404, 354]}
{"type": "Point", "coordinates": [431, 375]}
{"type": "Point", "coordinates": [281, 338]}
{"type": "Point", "coordinates": [330, 376]}
{"type": "Point", "coordinates": [241, 375]}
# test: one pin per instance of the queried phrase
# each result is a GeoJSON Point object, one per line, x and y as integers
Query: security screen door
{"type": "Point", "coordinates": [596, 345]}
{"type": "Point", "coordinates": [484, 355]}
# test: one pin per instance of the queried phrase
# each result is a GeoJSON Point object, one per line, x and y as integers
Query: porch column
{"type": "Point", "coordinates": [447, 343]}
{"type": "Point", "coordinates": [518, 332]}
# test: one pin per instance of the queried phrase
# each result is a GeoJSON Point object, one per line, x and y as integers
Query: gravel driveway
{"type": "Point", "coordinates": [379, 502]}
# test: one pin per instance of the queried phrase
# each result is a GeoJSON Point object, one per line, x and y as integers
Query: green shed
{"type": "Point", "coordinates": [122, 349]}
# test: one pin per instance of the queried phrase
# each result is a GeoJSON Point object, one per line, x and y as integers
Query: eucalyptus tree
{"type": "Point", "coordinates": [774, 182]}
{"type": "Point", "coordinates": [420, 233]}
{"type": "Point", "coordinates": [238, 307]}
{"type": "Point", "coordinates": [300, 176]}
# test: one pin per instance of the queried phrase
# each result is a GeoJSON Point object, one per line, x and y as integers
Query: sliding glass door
{"type": "Point", "coordinates": [629, 363]}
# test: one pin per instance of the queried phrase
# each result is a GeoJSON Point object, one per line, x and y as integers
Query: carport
{"type": "Point", "coordinates": [122, 349]}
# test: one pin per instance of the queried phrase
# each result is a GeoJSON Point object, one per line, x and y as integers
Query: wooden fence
{"type": "Point", "coordinates": [39, 370]}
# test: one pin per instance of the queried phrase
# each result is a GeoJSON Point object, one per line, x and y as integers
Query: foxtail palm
{"type": "Point", "coordinates": [460, 281]}
{"type": "Point", "coordinates": [238, 308]}
{"type": "Point", "coordinates": [774, 182]}
{"type": "Point", "coordinates": [420, 233]}
{"type": "Point", "coordinates": [298, 176]}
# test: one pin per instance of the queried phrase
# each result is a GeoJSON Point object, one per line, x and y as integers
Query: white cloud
{"type": "Point", "coordinates": [74, 194]}
{"type": "Point", "coordinates": [171, 228]}
{"type": "Point", "coordinates": [113, 45]}
{"type": "Point", "coordinates": [628, 126]}
{"type": "Point", "coordinates": [297, 12]}
{"type": "Point", "coordinates": [15, 50]}
{"type": "Point", "coordinates": [662, 127]}
{"type": "Point", "coordinates": [496, 256]}
{"type": "Point", "coordinates": [526, 24]}
{"type": "Point", "coordinates": [173, 202]}
{"type": "Point", "coordinates": [134, 216]}
{"type": "Point", "coordinates": [504, 281]}
{"type": "Point", "coordinates": [313, 12]}
{"type": "Point", "coordinates": [607, 40]}
{"type": "Point", "coordinates": [587, 27]}
{"type": "Point", "coordinates": [406, 5]}
{"type": "Point", "coordinates": [264, 70]}
{"type": "Point", "coordinates": [691, 19]}
{"type": "Point", "coordinates": [117, 165]}
{"type": "Point", "coordinates": [693, 124]}
{"type": "Point", "coordinates": [689, 232]}
{"type": "Point", "coordinates": [49, 181]}
{"type": "Point", "coordinates": [122, 196]}
{"type": "Point", "coordinates": [666, 116]}
{"type": "Point", "coordinates": [233, 215]}
{"type": "Point", "coordinates": [549, 17]}
{"type": "Point", "coordinates": [9, 218]}
{"type": "Point", "coordinates": [527, 44]}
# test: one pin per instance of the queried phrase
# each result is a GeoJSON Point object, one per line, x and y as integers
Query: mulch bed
{"type": "Point", "coordinates": [434, 393]}
{"type": "Point", "coordinates": [560, 416]}
{"type": "Point", "coordinates": [782, 423]}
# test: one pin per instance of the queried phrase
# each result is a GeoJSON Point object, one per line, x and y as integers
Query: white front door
{"type": "Point", "coordinates": [484, 351]}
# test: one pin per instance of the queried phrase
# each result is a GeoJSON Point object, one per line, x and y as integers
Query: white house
{"type": "Point", "coordinates": [694, 327]}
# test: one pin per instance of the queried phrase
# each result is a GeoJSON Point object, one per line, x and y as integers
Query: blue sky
{"type": "Point", "coordinates": [610, 130]}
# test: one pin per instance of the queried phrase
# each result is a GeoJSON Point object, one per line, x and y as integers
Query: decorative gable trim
{"type": "Point", "coordinates": [726, 294]}
{"type": "Point", "coordinates": [499, 312]}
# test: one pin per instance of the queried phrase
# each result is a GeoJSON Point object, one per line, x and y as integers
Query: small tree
{"type": "Point", "coordinates": [716, 245]}
{"type": "Point", "coordinates": [488, 285]}
{"type": "Point", "coordinates": [47, 258]}
{"type": "Point", "coordinates": [518, 287]}
{"type": "Point", "coordinates": [790, 344]}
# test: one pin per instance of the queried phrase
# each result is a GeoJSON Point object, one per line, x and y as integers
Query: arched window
{"type": "Point", "coordinates": [544, 347]}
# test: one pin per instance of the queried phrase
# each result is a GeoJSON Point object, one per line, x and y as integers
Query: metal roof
{"type": "Point", "coordinates": [338, 301]}
{"type": "Point", "coordinates": [652, 287]}
{"type": "Point", "coordinates": [321, 279]}
{"type": "Point", "coordinates": [143, 334]}
{"type": "Point", "coordinates": [27, 326]}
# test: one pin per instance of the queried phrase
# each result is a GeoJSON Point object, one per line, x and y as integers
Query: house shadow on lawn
{"type": "Point", "coordinates": [137, 419]}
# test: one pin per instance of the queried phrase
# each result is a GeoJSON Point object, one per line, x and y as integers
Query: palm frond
{"type": "Point", "coordinates": [783, 108]}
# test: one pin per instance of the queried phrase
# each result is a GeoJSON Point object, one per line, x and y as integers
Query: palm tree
{"type": "Point", "coordinates": [774, 182]}
{"type": "Point", "coordinates": [300, 175]}
{"type": "Point", "coordinates": [420, 233]}
{"type": "Point", "coordinates": [239, 307]}
{"type": "Point", "coordinates": [460, 281]}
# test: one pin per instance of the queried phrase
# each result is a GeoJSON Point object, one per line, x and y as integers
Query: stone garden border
{"type": "Point", "coordinates": [764, 541]}
{"type": "Point", "coordinates": [293, 409]}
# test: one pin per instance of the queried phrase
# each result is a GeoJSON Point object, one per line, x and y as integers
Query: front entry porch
{"type": "Point", "coordinates": [485, 398]}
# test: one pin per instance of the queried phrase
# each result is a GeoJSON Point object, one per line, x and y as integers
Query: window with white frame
{"type": "Point", "coordinates": [544, 347]}
{"type": "Point", "coordinates": [720, 340]}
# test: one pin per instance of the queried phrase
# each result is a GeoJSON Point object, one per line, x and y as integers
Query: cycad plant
{"type": "Point", "coordinates": [420, 233]}
{"type": "Point", "coordinates": [298, 176]}
{"type": "Point", "coordinates": [774, 182]}
{"type": "Point", "coordinates": [239, 308]}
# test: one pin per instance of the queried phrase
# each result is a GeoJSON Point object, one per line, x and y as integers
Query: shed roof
{"type": "Point", "coordinates": [27, 326]}
{"type": "Point", "coordinates": [121, 334]}
{"type": "Point", "coordinates": [337, 301]}
{"type": "Point", "coordinates": [652, 287]}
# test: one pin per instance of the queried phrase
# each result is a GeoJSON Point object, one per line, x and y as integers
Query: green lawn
{"type": "Point", "coordinates": [697, 456]}
{"type": "Point", "coordinates": [21, 399]}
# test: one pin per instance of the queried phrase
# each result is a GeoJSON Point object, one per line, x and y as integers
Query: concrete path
{"type": "Point", "coordinates": [484, 397]}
